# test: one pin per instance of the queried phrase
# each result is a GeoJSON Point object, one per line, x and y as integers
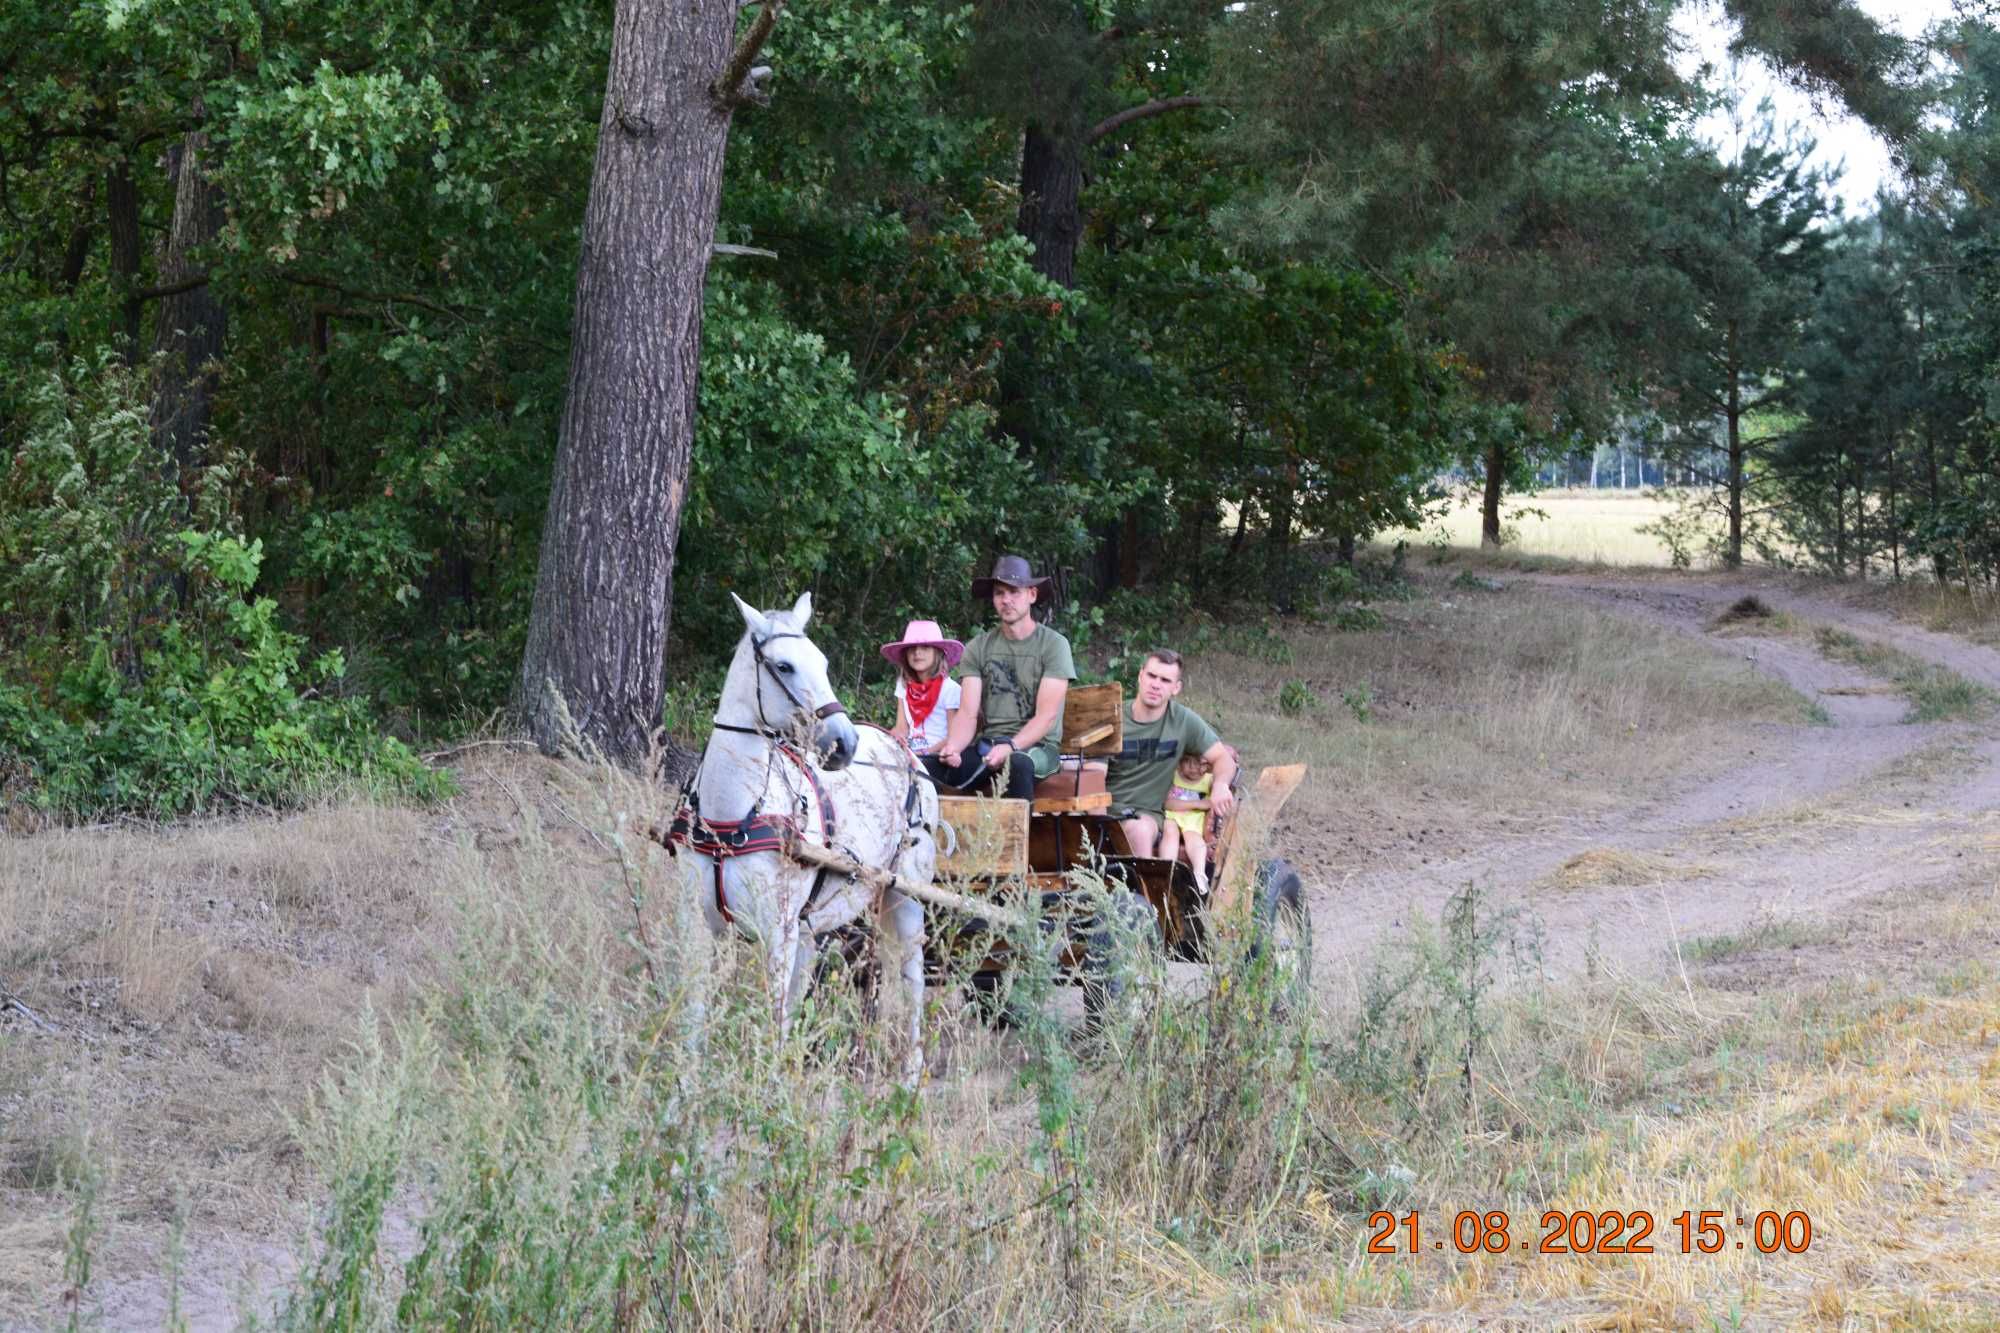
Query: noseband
{"type": "Point", "coordinates": [764, 728]}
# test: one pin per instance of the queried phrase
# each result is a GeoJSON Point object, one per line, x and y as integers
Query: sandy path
{"type": "Point", "coordinates": [1813, 816]}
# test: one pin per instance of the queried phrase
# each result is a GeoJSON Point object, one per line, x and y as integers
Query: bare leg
{"type": "Point", "coordinates": [1197, 859]}
{"type": "Point", "coordinates": [1142, 834]}
{"type": "Point", "coordinates": [1170, 840]}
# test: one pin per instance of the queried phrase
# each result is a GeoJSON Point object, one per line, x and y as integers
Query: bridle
{"type": "Point", "coordinates": [832, 708]}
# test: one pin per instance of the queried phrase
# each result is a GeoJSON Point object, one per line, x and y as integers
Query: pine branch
{"type": "Point", "coordinates": [1146, 111]}
{"type": "Point", "coordinates": [739, 79]}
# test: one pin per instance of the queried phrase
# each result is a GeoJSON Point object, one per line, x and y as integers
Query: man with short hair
{"type": "Point", "coordinates": [1157, 732]}
{"type": "Point", "coordinates": [1015, 679]}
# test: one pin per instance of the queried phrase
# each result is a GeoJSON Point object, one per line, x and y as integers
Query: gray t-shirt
{"type": "Point", "coordinates": [1140, 773]}
{"type": "Point", "coordinates": [1011, 672]}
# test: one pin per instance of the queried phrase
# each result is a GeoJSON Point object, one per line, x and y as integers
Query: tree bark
{"type": "Point", "coordinates": [192, 323]}
{"type": "Point", "coordinates": [1051, 213]}
{"type": "Point", "coordinates": [1733, 557]}
{"type": "Point", "coordinates": [121, 202]}
{"type": "Point", "coordinates": [597, 635]}
{"type": "Point", "coordinates": [1489, 508]}
{"type": "Point", "coordinates": [1284, 508]}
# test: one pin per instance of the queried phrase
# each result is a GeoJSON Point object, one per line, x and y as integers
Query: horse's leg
{"type": "Point", "coordinates": [805, 953]}
{"type": "Point", "coordinates": [906, 927]}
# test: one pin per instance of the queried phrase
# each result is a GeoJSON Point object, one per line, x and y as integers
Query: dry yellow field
{"type": "Point", "coordinates": [1594, 527]}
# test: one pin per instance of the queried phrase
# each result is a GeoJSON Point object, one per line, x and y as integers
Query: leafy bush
{"type": "Point", "coordinates": [1296, 697]}
{"type": "Point", "coordinates": [144, 678]}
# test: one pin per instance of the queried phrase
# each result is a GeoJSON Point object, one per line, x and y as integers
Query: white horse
{"type": "Point", "coordinates": [784, 760]}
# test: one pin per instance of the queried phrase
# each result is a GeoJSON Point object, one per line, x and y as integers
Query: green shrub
{"type": "Point", "coordinates": [145, 678]}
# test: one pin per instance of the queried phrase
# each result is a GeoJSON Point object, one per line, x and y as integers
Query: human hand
{"type": "Point", "coordinates": [1222, 802]}
{"type": "Point", "coordinates": [949, 758]}
{"type": "Point", "coordinates": [995, 759]}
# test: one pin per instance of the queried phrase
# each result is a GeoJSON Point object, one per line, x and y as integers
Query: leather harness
{"type": "Point", "coordinates": [721, 839]}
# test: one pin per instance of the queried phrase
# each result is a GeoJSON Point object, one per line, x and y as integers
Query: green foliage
{"type": "Point", "coordinates": [147, 677]}
{"type": "Point", "coordinates": [1426, 1012]}
{"type": "Point", "coordinates": [1296, 698]}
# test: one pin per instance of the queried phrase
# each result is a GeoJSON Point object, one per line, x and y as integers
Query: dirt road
{"type": "Point", "coordinates": [1806, 819]}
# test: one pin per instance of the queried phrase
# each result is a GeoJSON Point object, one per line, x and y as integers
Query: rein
{"type": "Point", "coordinates": [832, 708]}
{"type": "Point", "coordinates": [756, 832]}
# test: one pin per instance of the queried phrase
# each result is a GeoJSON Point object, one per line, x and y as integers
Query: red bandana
{"type": "Point", "coordinates": [920, 696]}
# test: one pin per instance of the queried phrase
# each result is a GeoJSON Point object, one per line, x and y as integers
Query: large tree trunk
{"type": "Point", "coordinates": [1051, 213]}
{"type": "Point", "coordinates": [597, 636]}
{"type": "Point", "coordinates": [1489, 508]}
{"type": "Point", "coordinates": [192, 323]}
{"type": "Point", "coordinates": [121, 203]}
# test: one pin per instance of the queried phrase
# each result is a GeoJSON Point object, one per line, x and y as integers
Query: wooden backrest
{"type": "Point", "coordinates": [1094, 720]}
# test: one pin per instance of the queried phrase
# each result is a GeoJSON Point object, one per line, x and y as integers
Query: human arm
{"type": "Point", "coordinates": [1183, 803]}
{"type": "Point", "coordinates": [900, 728]}
{"type": "Point", "coordinates": [1049, 697]}
{"type": "Point", "coordinates": [958, 732]}
{"type": "Point", "coordinates": [1222, 765]}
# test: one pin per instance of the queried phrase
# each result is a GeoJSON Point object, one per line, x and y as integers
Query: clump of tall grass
{"type": "Point", "coordinates": [597, 1120]}
{"type": "Point", "coordinates": [1936, 693]}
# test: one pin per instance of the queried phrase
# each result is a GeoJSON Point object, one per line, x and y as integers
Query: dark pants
{"type": "Point", "coordinates": [1020, 771]}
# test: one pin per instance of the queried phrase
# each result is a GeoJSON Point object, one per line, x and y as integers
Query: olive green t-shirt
{"type": "Point", "coordinates": [1011, 672]}
{"type": "Point", "coordinates": [1139, 775]}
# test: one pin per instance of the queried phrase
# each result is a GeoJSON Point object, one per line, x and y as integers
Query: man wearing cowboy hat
{"type": "Point", "coordinates": [1015, 679]}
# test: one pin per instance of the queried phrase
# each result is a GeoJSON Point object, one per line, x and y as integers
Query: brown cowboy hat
{"type": "Point", "coordinates": [1011, 569]}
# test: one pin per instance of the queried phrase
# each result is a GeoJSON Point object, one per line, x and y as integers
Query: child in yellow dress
{"type": "Point", "coordinates": [1187, 816]}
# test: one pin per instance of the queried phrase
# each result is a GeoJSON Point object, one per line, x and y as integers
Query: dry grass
{"type": "Point", "coordinates": [204, 977]}
{"type": "Point", "coordinates": [1873, 1109]}
{"type": "Point", "coordinates": [201, 978]}
{"type": "Point", "coordinates": [1973, 615]}
{"type": "Point", "coordinates": [1609, 867]}
{"type": "Point", "coordinates": [1486, 712]}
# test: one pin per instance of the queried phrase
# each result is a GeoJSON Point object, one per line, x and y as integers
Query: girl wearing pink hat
{"type": "Point", "coordinates": [926, 695]}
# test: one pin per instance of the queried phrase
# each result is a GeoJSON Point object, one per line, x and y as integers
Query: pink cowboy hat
{"type": "Point", "coordinates": [924, 634]}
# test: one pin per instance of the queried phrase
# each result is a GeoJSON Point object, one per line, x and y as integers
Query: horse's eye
{"type": "Point", "coordinates": [785, 667]}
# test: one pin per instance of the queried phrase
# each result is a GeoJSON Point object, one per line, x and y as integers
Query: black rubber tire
{"type": "Point", "coordinates": [1123, 965]}
{"type": "Point", "coordinates": [986, 993]}
{"type": "Point", "coordinates": [1283, 928]}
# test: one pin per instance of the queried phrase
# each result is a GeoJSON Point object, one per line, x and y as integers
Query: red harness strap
{"type": "Point", "coordinates": [721, 839]}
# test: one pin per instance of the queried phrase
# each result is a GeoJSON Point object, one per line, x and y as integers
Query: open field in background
{"type": "Point", "coordinates": [1599, 527]}
{"type": "Point", "coordinates": [204, 978]}
{"type": "Point", "coordinates": [1585, 529]}
{"type": "Point", "coordinates": [1475, 714]}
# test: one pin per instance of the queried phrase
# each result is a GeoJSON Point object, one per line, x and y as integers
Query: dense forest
{"type": "Point", "coordinates": [366, 367]}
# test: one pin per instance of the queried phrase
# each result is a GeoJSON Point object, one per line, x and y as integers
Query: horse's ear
{"type": "Point", "coordinates": [802, 610]}
{"type": "Point", "coordinates": [753, 619]}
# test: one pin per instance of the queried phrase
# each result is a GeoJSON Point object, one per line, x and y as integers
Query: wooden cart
{"type": "Point", "coordinates": [1031, 852]}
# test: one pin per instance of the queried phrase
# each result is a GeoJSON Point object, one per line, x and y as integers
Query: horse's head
{"type": "Point", "coordinates": [787, 687]}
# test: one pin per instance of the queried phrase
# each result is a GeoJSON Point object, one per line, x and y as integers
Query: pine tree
{"type": "Point", "coordinates": [1746, 234]}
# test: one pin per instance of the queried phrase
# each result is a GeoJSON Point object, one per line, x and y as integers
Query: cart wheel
{"type": "Point", "coordinates": [987, 994]}
{"type": "Point", "coordinates": [1124, 963]}
{"type": "Point", "coordinates": [1283, 939]}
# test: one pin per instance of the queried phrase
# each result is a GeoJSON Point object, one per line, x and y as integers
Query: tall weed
{"type": "Point", "coordinates": [597, 1121]}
